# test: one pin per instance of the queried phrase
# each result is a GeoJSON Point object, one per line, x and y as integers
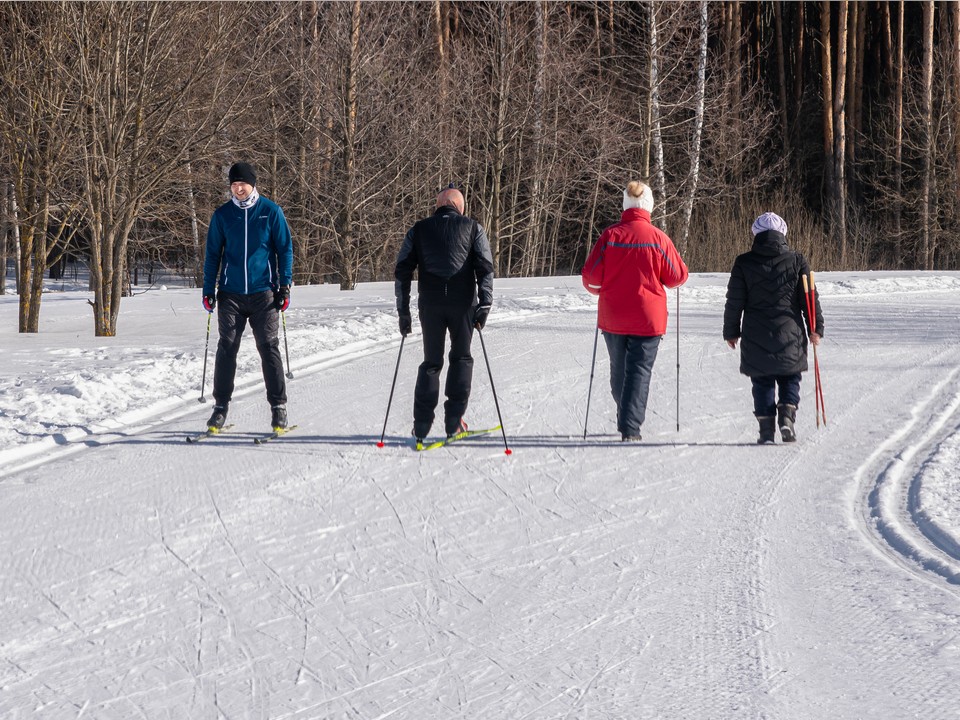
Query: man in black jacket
{"type": "Point", "coordinates": [766, 290]}
{"type": "Point", "coordinates": [455, 293]}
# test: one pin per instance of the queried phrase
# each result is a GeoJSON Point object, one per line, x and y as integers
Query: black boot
{"type": "Point", "coordinates": [768, 430]}
{"type": "Point", "coordinates": [786, 417]}
{"type": "Point", "coordinates": [278, 417]}
{"type": "Point", "coordinates": [218, 418]}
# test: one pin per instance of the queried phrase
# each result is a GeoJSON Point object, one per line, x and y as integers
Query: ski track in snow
{"type": "Point", "coordinates": [692, 576]}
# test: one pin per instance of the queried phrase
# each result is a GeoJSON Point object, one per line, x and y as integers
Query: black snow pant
{"type": "Point", "coordinates": [631, 367]}
{"type": "Point", "coordinates": [233, 312]}
{"type": "Point", "coordinates": [436, 320]}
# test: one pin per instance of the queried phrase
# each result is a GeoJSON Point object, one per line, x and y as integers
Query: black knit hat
{"type": "Point", "coordinates": [243, 172]}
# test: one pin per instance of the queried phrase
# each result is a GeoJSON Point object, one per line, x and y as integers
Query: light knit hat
{"type": "Point", "coordinates": [638, 195]}
{"type": "Point", "coordinates": [769, 221]}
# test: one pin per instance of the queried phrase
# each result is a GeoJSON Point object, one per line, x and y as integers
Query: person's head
{"type": "Point", "coordinates": [638, 195]}
{"type": "Point", "coordinates": [243, 179]}
{"type": "Point", "coordinates": [769, 221]}
{"type": "Point", "coordinates": [451, 197]}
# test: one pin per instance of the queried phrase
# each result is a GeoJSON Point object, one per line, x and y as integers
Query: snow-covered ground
{"type": "Point", "coordinates": [695, 575]}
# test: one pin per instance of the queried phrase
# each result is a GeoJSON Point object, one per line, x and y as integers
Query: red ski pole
{"type": "Point", "coordinates": [809, 290]}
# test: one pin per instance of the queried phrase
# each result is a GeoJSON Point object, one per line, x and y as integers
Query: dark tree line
{"type": "Point", "coordinates": [118, 121]}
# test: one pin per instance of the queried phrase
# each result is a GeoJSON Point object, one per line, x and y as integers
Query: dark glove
{"type": "Point", "coordinates": [281, 298]}
{"type": "Point", "coordinates": [209, 303]}
{"type": "Point", "coordinates": [406, 324]}
{"type": "Point", "coordinates": [480, 316]}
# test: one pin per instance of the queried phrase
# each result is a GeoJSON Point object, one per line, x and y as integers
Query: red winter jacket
{"type": "Point", "coordinates": [628, 268]}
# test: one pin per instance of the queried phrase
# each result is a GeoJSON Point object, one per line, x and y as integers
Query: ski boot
{"type": "Point", "coordinates": [278, 417]}
{"type": "Point", "coordinates": [461, 427]}
{"type": "Point", "coordinates": [217, 419]}
{"type": "Point", "coordinates": [786, 417]}
{"type": "Point", "coordinates": [768, 430]}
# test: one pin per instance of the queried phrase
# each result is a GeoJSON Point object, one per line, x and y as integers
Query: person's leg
{"type": "Point", "coordinates": [231, 323]}
{"type": "Point", "coordinates": [427, 392]}
{"type": "Point", "coordinates": [789, 386]}
{"type": "Point", "coordinates": [641, 354]}
{"type": "Point", "coordinates": [765, 407]}
{"type": "Point", "coordinates": [265, 322]}
{"type": "Point", "coordinates": [460, 369]}
{"type": "Point", "coordinates": [617, 350]}
{"type": "Point", "coordinates": [764, 396]}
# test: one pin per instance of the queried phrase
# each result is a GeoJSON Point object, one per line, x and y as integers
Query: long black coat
{"type": "Point", "coordinates": [766, 292]}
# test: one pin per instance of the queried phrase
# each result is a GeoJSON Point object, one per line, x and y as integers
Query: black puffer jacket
{"type": "Point", "coordinates": [452, 253]}
{"type": "Point", "coordinates": [766, 291]}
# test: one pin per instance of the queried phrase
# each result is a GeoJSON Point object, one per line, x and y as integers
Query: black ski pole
{"type": "Point", "coordinates": [593, 363]}
{"type": "Point", "coordinates": [506, 447]}
{"type": "Point", "coordinates": [678, 359]}
{"type": "Point", "coordinates": [286, 347]}
{"type": "Point", "coordinates": [392, 386]}
{"type": "Point", "coordinates": [203, 382]}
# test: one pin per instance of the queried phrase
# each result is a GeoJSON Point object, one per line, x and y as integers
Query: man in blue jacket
{"type": "Point", "coordinates": [249, 257]}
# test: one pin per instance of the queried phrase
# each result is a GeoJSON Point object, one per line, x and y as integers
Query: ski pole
{"type": "Point", "coordinates": [203, 382]}
{"type": "Point", "coordinates": [809, 291]}
{"type": "Point", "coordinates": [283, 317]}
{"type": "Point", "coordinates": [678, 359]}
{"type": "Point", "coordinates": [593, 364]}
{"type": "Point", "coordinates": [392, 386]}
{"type": "Point", "coordinates": [816, 361]}
{"type": "Point", "coordinates": [506, 448]}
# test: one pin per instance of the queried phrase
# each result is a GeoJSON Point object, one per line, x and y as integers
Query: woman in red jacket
{"type": "Point", "coordinates": [628, 268]}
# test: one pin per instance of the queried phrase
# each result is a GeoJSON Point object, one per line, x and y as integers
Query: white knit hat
{"type": "Point", "coordinates": [638, 195]}
{"type": "Point", "coordinates": [769, 221]}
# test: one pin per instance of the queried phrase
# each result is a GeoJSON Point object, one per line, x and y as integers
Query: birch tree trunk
{"type": "Point", "coordinates": [782, 76]}
{"type": "Point", "coordinates": [840, 132]}
{"type": "Point", "coordinates": [826, 73]}
{"type": "Point", "coordinates": [660, 182]}
{"type": "Point", "coordinates": [697, 127]}
{"type": "Point", "coordinates": [345, 230]}
{"type": "Point", "coordinates": [927, 210]}
{"type": "Point", "coordinates": [535, 216]}
{"type": "Point", "coordinates": [898, 129]}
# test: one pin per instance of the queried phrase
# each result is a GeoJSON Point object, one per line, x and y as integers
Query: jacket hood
{"type": "Point", "coordinates": [770, 242]}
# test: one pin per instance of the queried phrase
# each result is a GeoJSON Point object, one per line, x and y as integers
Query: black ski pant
{"type": "Point", "coordinates": [631, 367]}
{"type": "Point", "coordinates": [436, 320]}
{"type": "Point", "coordinates": [233, 312]}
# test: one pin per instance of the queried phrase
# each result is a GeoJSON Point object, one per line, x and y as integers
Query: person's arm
{"type": "Point", "coordinates": [212, 257]}
{"type": "Point", "coordinates": [816, 334]}
{"type": "Point", "coordinates": [283, 244]}
{"type": "Point", "coordinates": [403, 277]}
{"type": "Point", "coordinates": [733, 310]}
{"type": "Point", "coordinates": [483, 267]}
{"type": "Point", "coordinates": [673, 272]}
{"type": "Point", "coordinates": [592, 273]}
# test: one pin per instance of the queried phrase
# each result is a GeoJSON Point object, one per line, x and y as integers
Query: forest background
{"type": "Point", "coordinates": [118, 122]}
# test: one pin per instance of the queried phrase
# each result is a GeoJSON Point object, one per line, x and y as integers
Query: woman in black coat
{"type": "Point", "coordinates": [766, 293]}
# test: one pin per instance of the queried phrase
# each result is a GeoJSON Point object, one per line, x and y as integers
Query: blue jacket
{"type": "Point", "coordinates": [248, 251]}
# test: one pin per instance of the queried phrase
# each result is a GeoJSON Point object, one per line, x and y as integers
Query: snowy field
{"type": "Point", "coordinates": [693, 576]}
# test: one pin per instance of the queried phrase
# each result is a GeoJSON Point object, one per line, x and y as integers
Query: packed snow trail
{"type": "Point", "coordinates": [694, 575]}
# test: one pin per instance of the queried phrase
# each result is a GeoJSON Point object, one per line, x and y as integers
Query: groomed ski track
{"type": "Point", "coordinates": [694, 575]}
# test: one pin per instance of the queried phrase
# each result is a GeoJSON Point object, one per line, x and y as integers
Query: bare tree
{"type": "Point", "coordinates": [40, 113]}
{"type": "Point", "coordinates": [137, 73]}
